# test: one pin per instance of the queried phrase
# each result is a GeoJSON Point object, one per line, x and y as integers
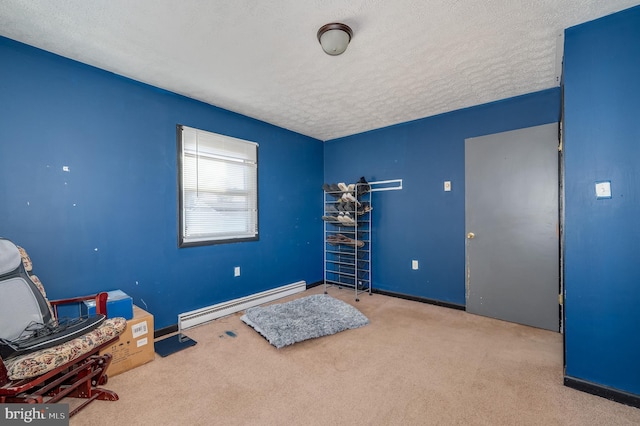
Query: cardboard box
{"type": "Point", "coordinates": [135, 345]}
{"type": "Point", "coordinates": [119, 304]}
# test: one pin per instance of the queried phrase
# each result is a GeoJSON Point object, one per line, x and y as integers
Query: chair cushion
{"type": "Point", "coordinates": [45, 360]}
{"type": "Point", "coordinates": [38, 283]}
{"type": "Point", "coordinates": [28, 266]}
{"type": "Point", "coordinates": [26, 260]}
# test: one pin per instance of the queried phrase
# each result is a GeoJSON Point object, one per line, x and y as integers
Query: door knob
{"type": "Point", "coordinates": [471, 235]}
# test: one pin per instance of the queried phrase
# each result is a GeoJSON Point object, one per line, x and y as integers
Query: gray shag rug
{"type": "Point", "coordinates": [301, 319]}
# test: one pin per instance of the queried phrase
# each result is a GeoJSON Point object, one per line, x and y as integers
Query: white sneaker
{"type": "Point", "coordinates": [347, 196]}
{"type": "Point", "coordinates": [346, 219]}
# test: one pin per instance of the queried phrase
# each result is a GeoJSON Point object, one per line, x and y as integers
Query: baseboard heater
{"type": "Point", "coordinates": [210, 313]}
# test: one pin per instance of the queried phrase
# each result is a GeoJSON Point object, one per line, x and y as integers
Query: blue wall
{"type": "Point", "coordinates": [602, 142]}
{"type": "Point", "coordinates": [421, 221]}
{"type": "Point", "coordinates": [111, 221]}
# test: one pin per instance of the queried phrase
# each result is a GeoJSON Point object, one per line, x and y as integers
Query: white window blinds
{"type": "Point", "coordinates": [219, 187]}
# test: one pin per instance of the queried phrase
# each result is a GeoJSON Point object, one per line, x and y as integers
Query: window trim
{"type": "Point", "coordinates": [182, 241]}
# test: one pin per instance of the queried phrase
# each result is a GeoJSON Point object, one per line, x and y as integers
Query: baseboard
{"type": "Point", "coordinates": [174, 328]}
{"type": "Point", "coordinates": [316, 284]}
{"type": "Point", "coordinates": [603, 391]}
{"type": "Point", "coordinates": [164, 331]}
{"type": "Point", "coordinates": [210, 313]}
{"type": "Point", "coordinates": [420, 299]}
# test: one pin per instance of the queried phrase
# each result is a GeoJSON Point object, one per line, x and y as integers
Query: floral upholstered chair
{"type": "Point", "coordinates": [74, 368]}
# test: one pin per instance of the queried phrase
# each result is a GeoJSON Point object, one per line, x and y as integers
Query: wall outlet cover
{"type": "Point", "coordinates": [603, 189]}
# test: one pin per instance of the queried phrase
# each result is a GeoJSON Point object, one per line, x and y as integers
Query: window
{"type": "Point", "coordinates": [218, 188]}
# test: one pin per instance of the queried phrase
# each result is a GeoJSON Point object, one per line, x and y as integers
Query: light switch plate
{"type": "Point", "coordinates": [603, 189]}
{"type": "Point", "coordinates": [447, 185]}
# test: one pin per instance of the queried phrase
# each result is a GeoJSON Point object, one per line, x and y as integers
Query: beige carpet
{"type": "Point", "coordinates": [414, 364]}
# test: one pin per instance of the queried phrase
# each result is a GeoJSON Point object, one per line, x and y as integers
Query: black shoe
{"type": "Point", "coordinates": [331, 208]}
{"type": "Point", "coordinates": [364, 208]}
{"type": "Point", "coordinates": [332, 189]}
{"type": "Point", "coordinates": [363, 186]}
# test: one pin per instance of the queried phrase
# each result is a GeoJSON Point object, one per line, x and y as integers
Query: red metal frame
{"type": "Point", "coordinates": [100, 298]}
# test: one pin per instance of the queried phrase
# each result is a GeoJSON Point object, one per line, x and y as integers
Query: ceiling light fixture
{"type": "Point", "coordinates": [334, 38]}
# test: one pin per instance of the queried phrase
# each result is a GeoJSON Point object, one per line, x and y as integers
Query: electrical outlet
{"type": "Point", "coordinates": [447, 185]}
{"type": "Point", "coordinates": [603, 189]}
{"type": "Point", "coordinates": [414, 265]}
{"type": "Point", "coordinates": [236, 271]}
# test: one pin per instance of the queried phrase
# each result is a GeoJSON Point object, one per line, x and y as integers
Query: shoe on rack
{"type": "Point", "coordinates": [352, 243]}
{"type": "Point", "coordinates": [332, 189]}
{"type": "Point", "coordinates": [333, 240]}
{"type": "Point", "coordinates": [346, 219]}
{"type": "Point", "coordinates": [330, 218]}
{"type": "Point", "coordinates": [343, 187]}
{"type": "Point", "coordinates": [363, 186]}
{"type": "Point", "coordinates": [349, 197]}
{"type": "Point", "coordinates": [365, 208]}
{"type": "Point", "coordinates": [341, 218]}
{"type": "Point", "coordinates": [331, 208]}
{"type": "Point", "coordinates": [342, 239]}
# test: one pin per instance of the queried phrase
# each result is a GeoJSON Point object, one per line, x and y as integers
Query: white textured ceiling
{"type": "Point", "coordinates": [408, 58]}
